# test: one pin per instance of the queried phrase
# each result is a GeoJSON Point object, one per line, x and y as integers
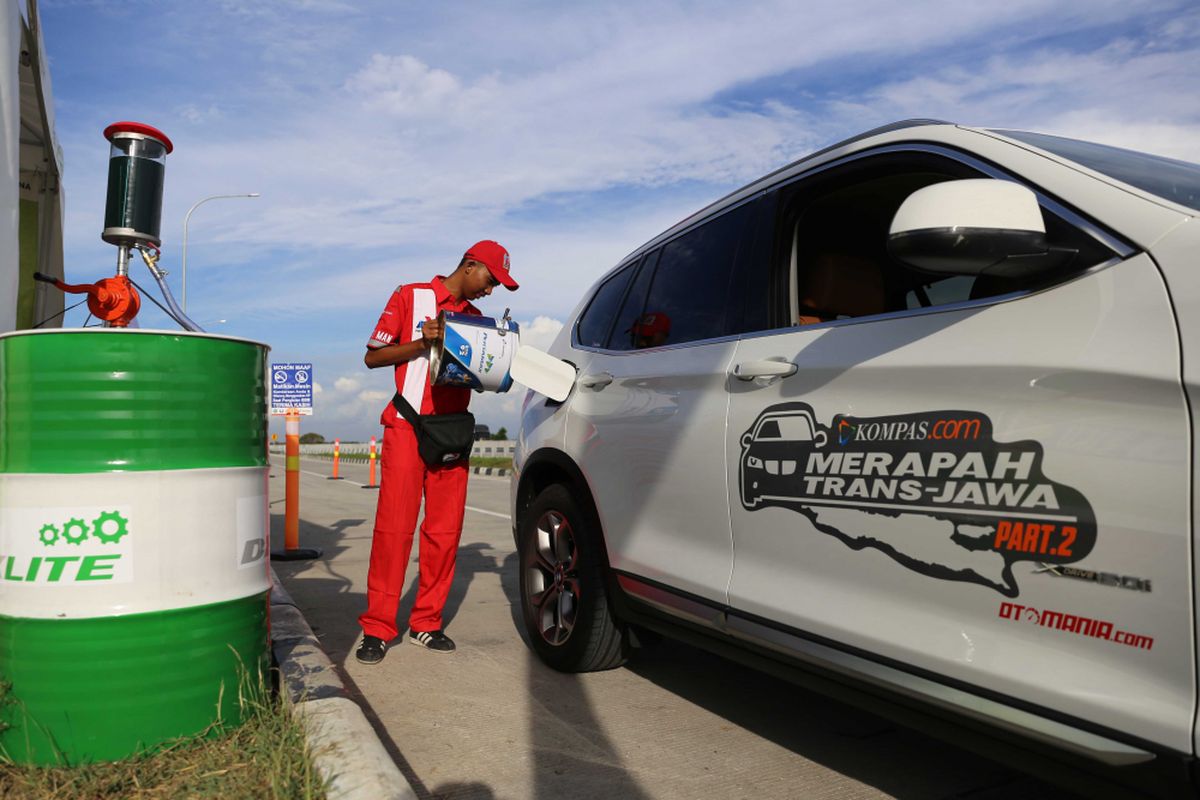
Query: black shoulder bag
{"type": "Point", "coordinates": [441, 438]}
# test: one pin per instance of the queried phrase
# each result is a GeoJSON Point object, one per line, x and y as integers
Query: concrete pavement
{"type": "Point", "coordinates": [492, 721]}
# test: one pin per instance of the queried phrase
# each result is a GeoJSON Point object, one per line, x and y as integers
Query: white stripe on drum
{"type": "Point", "coordinates": [78, 546]}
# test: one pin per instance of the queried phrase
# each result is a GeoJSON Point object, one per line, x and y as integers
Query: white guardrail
{"type": "Point", "coordinates": [483, 447]}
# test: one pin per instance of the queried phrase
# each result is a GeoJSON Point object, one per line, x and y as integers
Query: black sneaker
{"type": "Point", "coordinates": [371, 651]}
{"type": "Point", "coordinates": [436, 641]}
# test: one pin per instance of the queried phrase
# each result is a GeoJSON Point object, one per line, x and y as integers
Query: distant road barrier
{"type": "Point", "coordinates": [360, 450]}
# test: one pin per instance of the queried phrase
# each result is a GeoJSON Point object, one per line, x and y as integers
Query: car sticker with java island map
{"type": "Point", "coordinates": [932, 490]}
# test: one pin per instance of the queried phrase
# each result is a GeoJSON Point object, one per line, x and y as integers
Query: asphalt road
{"type": "Point", "coordinates": [490, 721]}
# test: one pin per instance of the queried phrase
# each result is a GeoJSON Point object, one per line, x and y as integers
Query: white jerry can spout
{"type": "Point", "coordinates": [542, 372]}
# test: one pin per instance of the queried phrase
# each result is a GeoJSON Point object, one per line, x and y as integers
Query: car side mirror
{"type": "Point", "coordinates": [974, 227]}
{"type": "Point", "coordinates": [747, 438]}
{"type": "Point", "coordinates": [821, 438]}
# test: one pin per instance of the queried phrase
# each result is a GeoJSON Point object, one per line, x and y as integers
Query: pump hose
{"type": "Point", "coordinates": [175, 311]}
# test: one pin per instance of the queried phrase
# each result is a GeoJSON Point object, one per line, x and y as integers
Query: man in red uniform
{"type": "Point", "coordinates": [402, 338]}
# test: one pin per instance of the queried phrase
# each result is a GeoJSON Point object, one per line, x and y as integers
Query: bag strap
{"type": "Point", "coordinates": [406, 410]}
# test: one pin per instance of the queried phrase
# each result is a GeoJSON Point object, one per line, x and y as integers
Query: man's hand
{"type": "Point", "coordinates": [392, 354]}
{"type": "Point", "coordinates": [431, 331]}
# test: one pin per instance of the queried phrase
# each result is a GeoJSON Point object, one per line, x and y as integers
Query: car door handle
{"type": "Point", "coordinates": [597, 381]}
{"type": "Point", "coordinates": [763, 368]}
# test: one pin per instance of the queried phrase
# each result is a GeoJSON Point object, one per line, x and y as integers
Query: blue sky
{"type": "Point", "coordinates": [385, 137]}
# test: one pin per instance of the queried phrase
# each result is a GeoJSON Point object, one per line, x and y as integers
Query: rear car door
{"type": "Point", "coordinates": [647, 416]}
{"type": "Point", "coordinates": [994, 489]}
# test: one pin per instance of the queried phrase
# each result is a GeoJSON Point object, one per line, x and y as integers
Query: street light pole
{"type": "Point", "coordinates": [186, 219]}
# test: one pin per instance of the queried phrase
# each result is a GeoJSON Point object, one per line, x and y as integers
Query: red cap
{"type": "Point", "coordinates": [651, 323]}
{"type": "Point", "coordinates": [138, 127]}
{"type": "Point", "coordinates": [495, 258]}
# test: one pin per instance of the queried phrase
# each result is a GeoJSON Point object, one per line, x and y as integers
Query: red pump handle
{"type": "Point", "coordinates": [113, 300]}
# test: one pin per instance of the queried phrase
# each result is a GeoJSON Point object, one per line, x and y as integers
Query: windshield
{"type": "Point", "coordinates": [1177, 181]}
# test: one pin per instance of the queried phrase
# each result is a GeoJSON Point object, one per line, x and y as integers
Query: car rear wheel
{"type": "Point", "coordinates": [567, 615]}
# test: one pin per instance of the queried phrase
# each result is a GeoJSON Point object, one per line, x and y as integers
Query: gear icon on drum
{"type": "Point", "coordinates": [48, 534]}
{"type": "Point", "coordinates": [74, 524]}
{"type": "Point", "coordinates": [109, 527]}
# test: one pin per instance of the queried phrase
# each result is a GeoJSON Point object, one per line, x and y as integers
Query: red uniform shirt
{"type": "Point", "coordinates": [407, 310]}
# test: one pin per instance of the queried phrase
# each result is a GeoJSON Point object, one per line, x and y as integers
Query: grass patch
{"type": "Point", "coordinates": [265, 758]}
{"type": "Point", "coordinates": [503, 462]}
{"type": "Point", "coordinates": [355, 457]}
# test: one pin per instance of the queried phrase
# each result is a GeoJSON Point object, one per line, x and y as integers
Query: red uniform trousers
{"type": "Point", "coordinates": [405, 477]}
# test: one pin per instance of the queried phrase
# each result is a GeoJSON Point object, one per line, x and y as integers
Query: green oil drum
{"type": "Point", "coordinates": [133, 539]}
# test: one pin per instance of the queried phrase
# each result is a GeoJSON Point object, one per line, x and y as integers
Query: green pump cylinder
{"type": "Point", "coordinates": [136, 167]}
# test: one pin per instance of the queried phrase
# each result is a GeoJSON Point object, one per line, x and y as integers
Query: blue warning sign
{"type": "Point", "coordinates": [291, 388]}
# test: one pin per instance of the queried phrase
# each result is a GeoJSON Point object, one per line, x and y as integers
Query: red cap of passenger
{"type": "Point", "coordinates": [495, 258]}
{"type": "Point", "coordinates": [651, 323]}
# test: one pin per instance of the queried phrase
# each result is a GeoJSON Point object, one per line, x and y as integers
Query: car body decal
{"type": "Point", "coordinates": [1074, 623]}
{"type": "Point", "coordinates": [933, 490]}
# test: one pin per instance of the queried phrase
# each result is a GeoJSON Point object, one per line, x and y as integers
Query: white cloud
{"type": "Point", "coordinates": [373, 397]}
{"type": "Point", "coordinates": [540, 333]}
{"type": "Point", "coordinates": [431, 154]}
{"type": "Point", "coordinates": [353, 401]}
{"type": "Point", "coordinates": [194, 114]}
{"type": "Point", "coordinates": [1126, 93]}
{"type": "Point", "coordinates": [404, 86]}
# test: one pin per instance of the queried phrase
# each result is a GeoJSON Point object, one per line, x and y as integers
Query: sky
{"type": "Point", "coordinates": [386, 137]}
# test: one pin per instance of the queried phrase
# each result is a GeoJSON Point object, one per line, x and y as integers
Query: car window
{"type": "Point", "coordinates": [596, 321]}
{"type": "Point", "coordinates": [831, 239]}
{"type": "Point", "coordinates": [939, 291]}
{"type": "Point", "coordinates": [690, 297]}
{"type": "Point", "coordinates": [839, 264]}
{"type": "Point", "coordinates": [623, 333]}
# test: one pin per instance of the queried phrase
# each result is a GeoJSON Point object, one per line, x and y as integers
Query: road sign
{"type": "Point", "coordinates": [291, 389]}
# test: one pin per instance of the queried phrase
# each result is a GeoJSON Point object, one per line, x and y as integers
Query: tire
{"type": "Point", "coordinates": [567, 616]}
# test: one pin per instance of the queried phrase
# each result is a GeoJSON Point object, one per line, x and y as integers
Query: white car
{"type": "Point", "coordinates": [910, 419]}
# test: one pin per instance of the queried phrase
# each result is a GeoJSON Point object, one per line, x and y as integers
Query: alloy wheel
{"type": "Point", "coordinates": [552, 588]}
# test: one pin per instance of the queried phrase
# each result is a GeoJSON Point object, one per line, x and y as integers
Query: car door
{"type": "Point", "coordinates": [994, 487]}
{"type": "Point", "coordinates": [646, 422]}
